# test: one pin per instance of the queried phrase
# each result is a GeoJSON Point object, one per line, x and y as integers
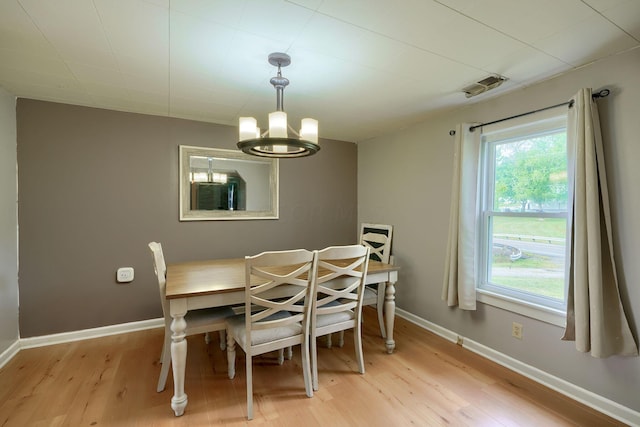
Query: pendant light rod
{"type": "Point", "coordinates": [280, 60]}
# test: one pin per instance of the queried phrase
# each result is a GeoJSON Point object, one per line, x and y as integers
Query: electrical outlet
{"type": "Point", "coordinates": [516, 330]}
{"type": "Point", "coordinates": [124, 275]}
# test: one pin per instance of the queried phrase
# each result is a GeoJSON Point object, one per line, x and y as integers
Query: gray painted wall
{"type": "Point", "coordinates": [8, 223]}
{"type": "Point", "coordinates": [414, 196]}
{"type": "Point", "coordinates": [97, 185]}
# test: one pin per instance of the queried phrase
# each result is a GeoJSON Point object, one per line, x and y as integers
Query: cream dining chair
{"type": "Point", "coordinates": [198, 321]}
{"type": "Point", "coordinates": [273, 318]}
{"type": "Point", "coordinates": [378, 238]}
{"type": "Point", "coordinates": [339, 292]}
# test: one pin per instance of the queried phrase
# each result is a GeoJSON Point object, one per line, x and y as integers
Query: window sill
{"type": "Point", "coordinates": [534, 311]}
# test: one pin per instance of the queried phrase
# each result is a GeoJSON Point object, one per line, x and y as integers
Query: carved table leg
{"type": "Point", "coordinates": [178, 361]}
{"type": "Point", "coordinates": [390, 313]}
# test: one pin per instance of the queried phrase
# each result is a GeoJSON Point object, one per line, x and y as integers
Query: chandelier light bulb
{"type": "Point", "coordinates": [309, 130]}
{"type": "Point", "coordinates": [278, 124]}
{"type": "Point", "coordinates": [248, 128]}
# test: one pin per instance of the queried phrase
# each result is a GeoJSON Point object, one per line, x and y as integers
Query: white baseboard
{"type": "Point", "coordinates": [90, 333]}
{"type": "Point", "coordinates": [9, 353]}
{"type": "Point", "coordinates": [597, 402]}
{"type": "Point", "coordinates": [425, 324]}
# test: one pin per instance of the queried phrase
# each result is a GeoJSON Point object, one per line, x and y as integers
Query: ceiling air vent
{"type": "Point", "coordinates": [483, 85]}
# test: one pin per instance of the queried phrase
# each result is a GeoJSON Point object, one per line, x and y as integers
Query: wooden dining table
{"type": "Point", "coordinates": [220, 282]}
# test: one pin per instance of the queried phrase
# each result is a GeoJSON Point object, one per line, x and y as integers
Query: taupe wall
{"type": "Point", "coordinates": [414, 196]}
{"type": "Point", "coordinates": [96, 186]}
{"type": "Point", "coordinates": [8, 223]}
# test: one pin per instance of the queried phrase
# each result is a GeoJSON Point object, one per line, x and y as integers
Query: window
{"type": "Point", "coordinates": [523, 216]}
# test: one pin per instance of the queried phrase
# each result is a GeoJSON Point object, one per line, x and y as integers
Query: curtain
{"type": "Point", "coordinates": [595, 317]}
{"type": "Point", "coordinates": [459, 288]}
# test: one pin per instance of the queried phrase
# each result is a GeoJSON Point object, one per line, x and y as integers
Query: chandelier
{"type": "Point", "coordinates": [276, 142]}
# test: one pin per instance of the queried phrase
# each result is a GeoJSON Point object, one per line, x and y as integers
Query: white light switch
{"type": "Point", "coordinates": [124, 275]}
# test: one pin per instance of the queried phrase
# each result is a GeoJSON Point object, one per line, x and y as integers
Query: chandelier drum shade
{"type": "Point", "coordinates": [276, 142]}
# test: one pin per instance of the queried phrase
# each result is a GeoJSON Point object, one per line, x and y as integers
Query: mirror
{"type": "Point", "coordinates": [218, 184]}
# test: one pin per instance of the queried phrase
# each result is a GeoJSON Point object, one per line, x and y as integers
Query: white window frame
{"type": "Point", "coordinates": [537, 307]}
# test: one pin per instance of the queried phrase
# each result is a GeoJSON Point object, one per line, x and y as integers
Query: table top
{"type": "Point", "coordinates": [222, 275]}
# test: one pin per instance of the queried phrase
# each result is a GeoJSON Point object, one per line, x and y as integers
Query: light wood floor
{"type": "Point", "coordinates": [428, 381]}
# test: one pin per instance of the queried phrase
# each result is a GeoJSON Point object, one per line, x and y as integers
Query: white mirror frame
{"type": "Point", "coordinates": [187, 214]}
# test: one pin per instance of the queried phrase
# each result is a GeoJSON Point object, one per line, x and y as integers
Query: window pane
{"type": "Point", "coordinates": [531, 174]}
{"type": "Point", "coordinates": [528, 255]}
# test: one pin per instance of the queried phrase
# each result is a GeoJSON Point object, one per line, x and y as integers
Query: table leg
{"type": "Point", "coordinates": [390, 314]}
{"type": "Point", "coordinates": [178, 361]}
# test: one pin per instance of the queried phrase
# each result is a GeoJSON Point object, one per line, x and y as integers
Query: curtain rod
{"type": "Point", "coordinates": [600, 94]}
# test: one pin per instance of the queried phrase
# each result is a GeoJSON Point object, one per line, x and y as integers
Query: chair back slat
{"type": "Point", "coordinates": [160, 268]}
{"type": "Point", "coordinates": [378, 238]}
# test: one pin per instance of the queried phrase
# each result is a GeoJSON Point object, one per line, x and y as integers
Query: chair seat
{"type": "Point", "coordinates": [206, 316]}
{"type": "Point", "coordinates": [329, 319]}
{"type": "Point", "coordinates": [236, 324]}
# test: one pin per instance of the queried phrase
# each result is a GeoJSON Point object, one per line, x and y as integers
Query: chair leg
{"type": "Point", "coordinates": [207, 338]}
{"type": "Point", "coordinates": [329, 343]}
{"type": "Point", "coordinates": [231, 356]}
{"type": "Point", "coordinates": [357, 341]}
{"type": "Point", "coordinates": [248, 361]}
{"type": "Point", "coordinates": [306, 369]}
{"type": "Point", "coordinates": [282, 355]}
{"type": "Point", "coordinates": [165, 359]}
{"type": "Point", "coordinates": [162, 352]}
{"type": "Point", "coordinates": [314, 362]}
{"type": "Point", "coordinates": [223, 339]}
{"type": "Point", "coordinates": [380, 309]}
{"type": "Point", "coordinates": [340, 339]}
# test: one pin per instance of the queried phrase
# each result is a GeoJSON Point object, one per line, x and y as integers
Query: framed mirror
{"type": "Point", "coordinates": [217, 184]}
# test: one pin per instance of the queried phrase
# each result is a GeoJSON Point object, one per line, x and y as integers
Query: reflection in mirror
{"type": "Point", "coordinates": [215, 188]}
{"type": "Point", "coordinates": [218, 184]}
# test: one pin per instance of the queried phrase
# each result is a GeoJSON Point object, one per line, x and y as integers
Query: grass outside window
{"type": "Point", "coordinates": [539, 246]}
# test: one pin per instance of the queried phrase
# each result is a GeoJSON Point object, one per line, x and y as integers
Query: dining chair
{"type": "Point", "coordinates": [339, 293]}
{"type": "Point", "coordinates": [198, 321]}
{"type": "Point", "coordinates": [378, 238]}
{"type": "Point", "coordinates": [279, 287]}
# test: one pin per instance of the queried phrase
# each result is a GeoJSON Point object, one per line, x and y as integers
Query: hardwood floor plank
{"type": "Point", "coordinates": [428, 381]}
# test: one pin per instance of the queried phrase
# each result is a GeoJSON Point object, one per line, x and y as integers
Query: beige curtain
{"type": "Point", "coordinates": [459, 288]}
{"type": "Point", "coordinates": [595, 317]}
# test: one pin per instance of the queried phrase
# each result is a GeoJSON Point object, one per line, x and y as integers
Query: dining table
{"type": "Point", "coordinates": [221, 282]}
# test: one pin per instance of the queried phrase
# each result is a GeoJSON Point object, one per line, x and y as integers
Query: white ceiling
{"type": "Point", "coordinates": [361, 67]}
